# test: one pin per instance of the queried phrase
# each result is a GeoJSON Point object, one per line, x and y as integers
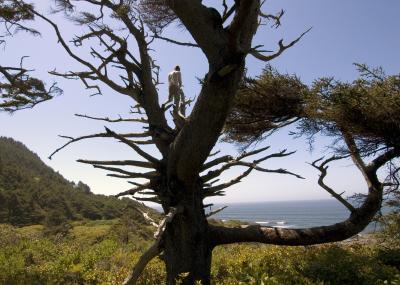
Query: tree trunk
{"type": "Point", "coordinates": [187, 250]}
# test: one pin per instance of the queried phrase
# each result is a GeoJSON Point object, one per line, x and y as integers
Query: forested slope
{"type": "Point", "coordinates": [30, 192]}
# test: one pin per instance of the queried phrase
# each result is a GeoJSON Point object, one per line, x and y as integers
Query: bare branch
{"type": "Point", "coordinates": [322, 167]}
{"type": "Point", "coordinates": [138, 150]}
{"type": "Point", "coordinates": [106, 119]}
{"type": "Point", "coordinates": [276, 18]}
{"type": "Point", "coordinates": [156, 36]}
{"type": "Point", "coordinates": [99, 135]}
{"type": "Point", "coordinates": [282, 48]}
{"type": "Point", "coordinates": [212, 213]}
{"type": "Point", "coordinates": [147, 218]}
{"type": "Point", "coordinates": [128, 174]}
{"type": "Point", "coordinates": [135, 190]}
{"type": "Point", "coordinates": [227, 13]}
{"type": "Point", "coordinates": [212, 191]}
{"type": "Point", "coordinates": [217, 161]}
{"type": "Point", "coordinates": [253, 165]}
{"type": "Point", "coordinates": [92, 68]}
{"type": "Point", "coordinates": [136, 163]}
{"type": "Point", "coordinates": [154, 250]}
{"type": "Point", "coordinates": [150, 253]}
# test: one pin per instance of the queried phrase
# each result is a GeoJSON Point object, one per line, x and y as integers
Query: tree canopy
{"type": "Point", "coordinates": [18, 89]}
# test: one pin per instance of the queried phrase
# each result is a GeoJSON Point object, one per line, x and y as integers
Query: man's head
{"type": "Point", "coordinates": [177, 68]}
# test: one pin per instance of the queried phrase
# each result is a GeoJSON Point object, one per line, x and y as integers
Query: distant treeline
{"type": "Point", "coordinates": [31, 192]}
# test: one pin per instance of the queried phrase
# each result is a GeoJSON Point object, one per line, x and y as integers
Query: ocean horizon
{"type": "Point", "coordinates": [286, 214]}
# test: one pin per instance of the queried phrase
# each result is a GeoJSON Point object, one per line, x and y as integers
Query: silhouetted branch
{"type": "Point", "coordinates": [323, 167]}
{"type": "Point", "coordinates": [216, 211]}
{"type": "Point", "coordinates": [133, 146]}
{"type": "Point", "coordinates": [136, 163]}
{"type": "Point", "coordinates": [133, 191]}
{"type": "Point", "coordinates": [253, 165]}
{"type": "Point", "coordinates": [156, 36]}
{"type": "Point", "coordinates": [128, 174]}
{"type": "Point", "coordinates": [99, 135]}
{"type": "Point", "coordinates": [282, 48]}
{"type": "Point", "coordinates": [120, 119]}
{"type": "Point", "coordinates": [276, 18]}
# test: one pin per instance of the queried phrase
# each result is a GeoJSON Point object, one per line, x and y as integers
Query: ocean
{"type": "Point", "coordinates": [287, 214]}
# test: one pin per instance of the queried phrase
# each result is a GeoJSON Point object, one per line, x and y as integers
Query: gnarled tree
{"type": "Point", "coordinates": [362, 118]}
{"type": "Point", "coordinates": [187, 172]}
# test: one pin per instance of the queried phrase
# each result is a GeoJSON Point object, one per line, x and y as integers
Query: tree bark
{"type": "Point", "coordinates": [187, 250]}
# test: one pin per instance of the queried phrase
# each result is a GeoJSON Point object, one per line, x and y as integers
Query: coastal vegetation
{"type": "Point", "coordinates": [103, 252]}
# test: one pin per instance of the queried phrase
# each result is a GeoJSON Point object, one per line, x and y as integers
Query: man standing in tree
{"type": "Point", "coordinates": [175, 90]}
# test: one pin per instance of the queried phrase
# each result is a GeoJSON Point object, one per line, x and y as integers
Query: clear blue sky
{"type": "Point", "coordinates": [344, 32]}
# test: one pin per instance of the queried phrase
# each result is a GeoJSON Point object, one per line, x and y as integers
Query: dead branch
{"type": "Point", "coordinates": [156, 36]}
{"type": "Point", "coordinates": [217, 161]}
{"type": "Point", "coordinates": [216, 190]}
{"type": "Point", "coordinates": [99, 135]}
{"type": "Point", "coordinates": [120, 119]}
{"type": "Point", "coordinates": [150, 253]}
{"type": "Point", "coordinates": [127, 174]}
{"type": "Point", "coordinates": [227, 12]}
{"type": "Point", "coordinates": [154, 250]}
{"type": "Point", "coordinates": [147, 218]}
{"type": "Point", "coordinates": [276, 18]}
{"type": "Point", "coordinates": [132, 191]}
{"type": "Point", "coordinates": [282, 48]}
{"type": "Point", "coordinates": [323, 167]}
{"type": "Point", "coordinates": [138, 150]}
{"type": "Point", "coordinates": [253, 165]}
{"type": "Point", "coordinates": [143, 164]}
{"type": "Point", "coordinates": [212, 213]}
{"type": "Point", "coordinates": [228, 158]}
{"type": "Point", "coordinates": [93, 70]}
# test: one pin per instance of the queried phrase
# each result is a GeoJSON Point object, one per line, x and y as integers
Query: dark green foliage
{"type": "Point", "coordinates": [13, 13]}
{"type": "Point", "coordinates": [263, 105]}
{"type": "Point", "coordinates": [18, 89]}
{"type": "Point", "coordinates": [368, 108]}
{"type": "Point", "coordinates": [32, 193]}
{"type": "Point", "coordinates": [56, 223]}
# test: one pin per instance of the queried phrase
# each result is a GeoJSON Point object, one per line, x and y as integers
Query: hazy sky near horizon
{"type": "Point", "coordinates": [344, 32]}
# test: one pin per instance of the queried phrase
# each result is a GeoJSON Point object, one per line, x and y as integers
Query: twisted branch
{"type": "Point", "coordinates": [257, 54]}
{"type": "Point", "coordinates": [323, 167]}
{"type": "Point", "coordinates": [154, 250]}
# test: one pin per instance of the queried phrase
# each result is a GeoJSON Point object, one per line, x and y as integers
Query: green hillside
{"type": "Point", "coordinates": [31, 192]}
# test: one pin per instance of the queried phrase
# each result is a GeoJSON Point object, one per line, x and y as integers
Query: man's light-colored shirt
{"type": "Point", "coordinates": [175, 78]}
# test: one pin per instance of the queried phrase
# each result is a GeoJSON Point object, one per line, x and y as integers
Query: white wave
{"type": "Point", "coordinates": [262, 223]}
{"type": "Point", "coordinates": [284, 227]}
